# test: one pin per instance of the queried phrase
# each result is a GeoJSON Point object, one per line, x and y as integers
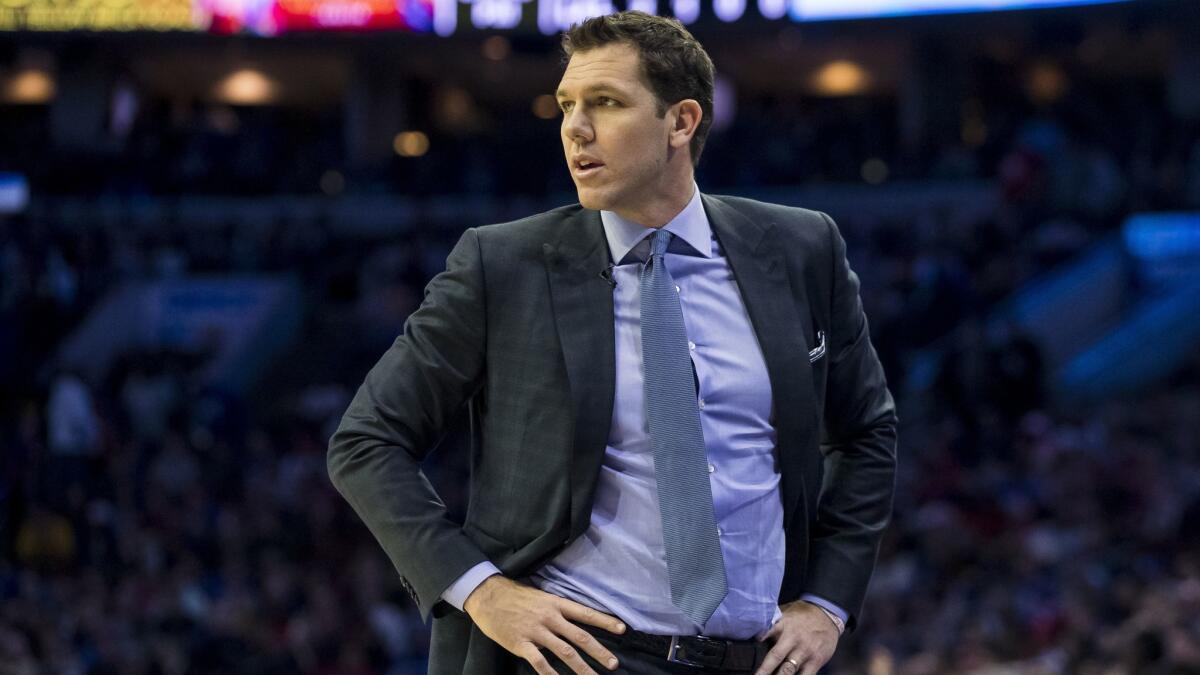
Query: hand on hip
{"type": "Point", "coordinates": [523, 620]}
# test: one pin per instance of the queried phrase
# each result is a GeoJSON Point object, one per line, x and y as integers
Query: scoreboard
{"type": "Point", "coordinates": [118, 15]}
{"type": "Point", "coordinates": [445, 17]}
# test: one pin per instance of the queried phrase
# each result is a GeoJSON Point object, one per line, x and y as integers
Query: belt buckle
{"type": "Point", "coordinates": [673, 657]}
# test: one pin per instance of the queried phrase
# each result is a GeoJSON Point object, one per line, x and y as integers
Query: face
{"type": "Point", "coordinates": [618, 150]}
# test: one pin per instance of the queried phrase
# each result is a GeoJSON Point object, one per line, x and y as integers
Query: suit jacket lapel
{"type": "Point", "coordinates": [756, 256]}
{"type": "Point", "coordinates": [583, 312]}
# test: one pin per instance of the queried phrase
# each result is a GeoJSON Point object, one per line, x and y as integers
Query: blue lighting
{"type": "Point", "coordinates": [823, 10]}
{"type": "Point", "coordinates": [1153, 236]}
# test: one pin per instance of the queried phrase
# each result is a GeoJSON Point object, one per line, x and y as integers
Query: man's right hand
{"type": "Point", "coordinates": [523, 619]}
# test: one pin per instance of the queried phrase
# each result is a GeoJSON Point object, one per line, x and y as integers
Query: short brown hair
{"type": "Point", "coordinates": [674, 65]}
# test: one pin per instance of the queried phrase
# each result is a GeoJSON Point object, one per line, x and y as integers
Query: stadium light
{"type": "Point", "coordinates": [841, 78]}
{"type": "Point", "coordinates": [410, 144]}
{"type": "Point", "coordinates": [247, 87]}
{"type": "Point", "coordinates": [30, 87]}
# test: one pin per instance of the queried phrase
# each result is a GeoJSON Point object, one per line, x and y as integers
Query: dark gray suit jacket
{"type": "Point", "coordinates": [520, 327]}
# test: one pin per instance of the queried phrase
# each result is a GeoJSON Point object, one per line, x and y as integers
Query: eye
{"type": "Point", "coordinates": [606, 101]}
{"type": "Point", "coordinates": [565, 105]}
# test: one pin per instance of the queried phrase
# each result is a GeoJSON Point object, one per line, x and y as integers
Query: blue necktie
{"type": "Point", "coordinates": [694, 563]}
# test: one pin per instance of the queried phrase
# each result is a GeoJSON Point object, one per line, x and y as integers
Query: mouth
{"type": "Point", "coordinates": [583, 168]}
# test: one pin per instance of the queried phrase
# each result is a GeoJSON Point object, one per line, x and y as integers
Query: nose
{"type": "Point", "coordinates": [576, 126]}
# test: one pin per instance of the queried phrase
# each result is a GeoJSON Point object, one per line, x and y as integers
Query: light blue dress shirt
{"type": "Point", "coordinates": [618, 565]}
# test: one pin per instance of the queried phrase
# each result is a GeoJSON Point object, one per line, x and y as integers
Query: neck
{"type": "Point", "coordinates": [669, 200]}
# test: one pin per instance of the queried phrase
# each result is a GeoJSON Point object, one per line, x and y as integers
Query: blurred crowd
{"type": "Point", "coordinates": [152, 524]}
{"type": "Point", "coordinates": [1031, 540]}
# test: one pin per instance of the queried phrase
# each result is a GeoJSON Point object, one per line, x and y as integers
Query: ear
{"type": "Point", "coordinates": [685, 119]}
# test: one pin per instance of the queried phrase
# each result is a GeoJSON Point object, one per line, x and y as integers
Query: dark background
{"type": "Point", "coordinates": [164, 509]}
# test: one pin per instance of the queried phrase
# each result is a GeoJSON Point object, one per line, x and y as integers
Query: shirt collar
{"type": "Point", "coordinates": [691, 225]}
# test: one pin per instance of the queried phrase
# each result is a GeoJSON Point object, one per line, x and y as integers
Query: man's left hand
{"type": "Point", "coordinates": [804, 638]}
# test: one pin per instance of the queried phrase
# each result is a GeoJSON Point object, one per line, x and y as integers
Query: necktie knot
{"type": "Point", "coordinates": [659, 242]}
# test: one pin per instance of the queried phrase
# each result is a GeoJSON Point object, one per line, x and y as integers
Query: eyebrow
{"type": "Point", "coordinates": [592, 89]}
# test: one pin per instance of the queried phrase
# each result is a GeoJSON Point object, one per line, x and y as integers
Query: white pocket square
{"type": "Point", "coordinates": [818, 351]}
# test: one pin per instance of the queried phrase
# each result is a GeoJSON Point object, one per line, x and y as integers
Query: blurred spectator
{"type": "Point", "coordinates": [73, 435]}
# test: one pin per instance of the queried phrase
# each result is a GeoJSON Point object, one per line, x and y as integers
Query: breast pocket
{"type": "Point", "coordinates": [818, 361]}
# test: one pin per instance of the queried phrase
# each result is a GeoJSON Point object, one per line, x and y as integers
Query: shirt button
{"type": "Point", "coordinates": [691, 345]}
{"type": "Point", "coordinates": [711, 468]}
{"type": "Point", "coordinates": [677, 289]}
{"type": "Point", "coordinates": [718, 531]}
{"type": "Point", "coordinates": [701, 404]}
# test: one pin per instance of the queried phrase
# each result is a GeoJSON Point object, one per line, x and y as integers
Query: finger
{"type": "Point", "coordinates": [773, 658]}
{"type": "Point", "coordinates": [585, 614]}
{"type": "Point", "coordinates": [791, 664]}
{"type": "Point", "coordinates": [811, 663]}
{"type": "Point", "coordinates": [585, 640]}
{"type": "Point", "coordinates": [566, 653]}
{"type": "Point", "coordinates": [531, 654]}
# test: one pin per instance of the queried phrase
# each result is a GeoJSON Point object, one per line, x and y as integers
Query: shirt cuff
{"type": "Point", "coordinates": [829, 608]}
{"type": "Point", "coordinates": [461, 589]}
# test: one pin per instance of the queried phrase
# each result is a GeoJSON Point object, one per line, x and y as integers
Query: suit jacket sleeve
{"type": "Point", "coordinates": [400, 413]}
{"type": "Point", "coordinates": [859, 446]}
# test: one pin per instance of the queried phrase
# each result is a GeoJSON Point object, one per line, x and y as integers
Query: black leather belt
{"type": "Point", "coordinates": [692, 650]}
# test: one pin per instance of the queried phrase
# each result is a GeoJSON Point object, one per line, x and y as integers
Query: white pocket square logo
{"type": "Point", "coordinates": [818, 351]}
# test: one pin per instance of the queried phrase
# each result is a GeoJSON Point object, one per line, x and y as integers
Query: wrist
{"type": "Point", "coordinates": [481, 592]}
{"type": "Point", "coordinates": [833, 618]}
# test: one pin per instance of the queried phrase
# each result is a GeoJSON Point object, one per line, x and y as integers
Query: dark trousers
{"type": "Point", "coordinates": [632, 661]}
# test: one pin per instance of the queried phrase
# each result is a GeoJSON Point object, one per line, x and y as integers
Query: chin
{"type": "Point", "coordinates": [591, 198]}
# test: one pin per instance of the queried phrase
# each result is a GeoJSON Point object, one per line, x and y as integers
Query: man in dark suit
{"type": "Point", "coordinates": [684, 447]}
